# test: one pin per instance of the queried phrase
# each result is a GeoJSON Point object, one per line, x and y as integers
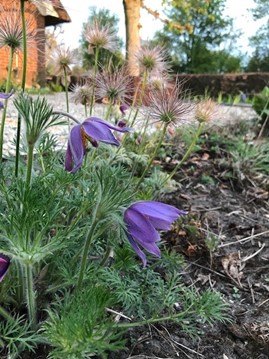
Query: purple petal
{"type": "Point", "coordinates": [160, 215]}
{"type": "Point", "coordinates": [151, 247]}
{"type": "Point", "coordinates": [139, 252]}
{"type": "Point", "coordinates": [139, 227]}
{"type": "Point", "coordinates": [4, 264]}
{"type": "Point", "coordinates": [75, 150]}
{"type": "Point", "coordinates": [5, 96]}
{"type": "Point", "coordinates": [68, 163]}
{"type": "Point", "coordinates": [1, 105]}
{"type": "Point", "coordinates": [109, 125]}
{"type": "Point", "coordinates": [99, 132]}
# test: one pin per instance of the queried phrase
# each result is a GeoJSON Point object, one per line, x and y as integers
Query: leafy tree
{"type": "Point", "coordinates": [259, 60]}
{"type": "Point", "coordinates": [132, 23]}
{"type": "Point", "coordinates": [104, 18]}
{"type": "Point", "coordinates": [197, 50]}
{"type": "Point", "coordinates": [261, 9]}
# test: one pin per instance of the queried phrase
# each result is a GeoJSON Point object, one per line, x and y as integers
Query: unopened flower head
{"type": "Point", "coordinates": [205, 110]}
{"type": "Point", "coordinates": [63, 58]}
{"type": "Point", "coordinates": [11, 31]}
{"type": "Point", "coordinates": [114, 85]}
{"type": "Point", "coordinates": [5, 96]}
{"type": "Point", "coordinates": [82, 94]}
{"type": "Point", "coordinates": [152, 59]}
{"type": "Point", "coordinates": [101, 37]}
{"type": "Point", "coordinates": [124, 108]}
{"type": "Point", "coordinates": [167, 105]}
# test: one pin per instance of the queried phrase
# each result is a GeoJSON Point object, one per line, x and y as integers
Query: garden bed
{"type": "Point", "coordinates": [224, 243]}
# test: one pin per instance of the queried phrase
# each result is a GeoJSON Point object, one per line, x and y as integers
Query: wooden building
{"type": "Point", "coordinates": [39, 14]}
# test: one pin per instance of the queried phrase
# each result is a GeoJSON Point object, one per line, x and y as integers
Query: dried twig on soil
{"type": "Point", "coordinates": [262, 303]}
{"type": "Point", "coordinates": [251, 291]}
{"type": "Point", "coordinates": [243, 240]}
{"type": "Point", "coordinates": [253, 254]}
{"type": "Point", "coordinates": [172, 342]}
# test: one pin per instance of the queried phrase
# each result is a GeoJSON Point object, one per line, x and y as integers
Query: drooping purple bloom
{"type": "Point", "coordinates": [124, 108]}
{"type": "Point", "coordinates": [5, 96]}
{"type": "Point", "coordinates": [92, 129]}
{"type": "Point", "coordinates": [143, 219]}
{"type": "Point", "coordinates": [4, 264]}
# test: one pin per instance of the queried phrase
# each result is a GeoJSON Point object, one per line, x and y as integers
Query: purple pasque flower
{"type": "Point", "coordinates": [142, 219]}
{"type": "Point", "coordinates": [4, 264]}
{"type": "Point", "coordinates": [5, 96]}
{"type": "Point", "coordinates": [92, 129]}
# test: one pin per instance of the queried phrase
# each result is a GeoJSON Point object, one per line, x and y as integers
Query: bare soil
{"type": "Point", "coordinates": [235, 212]}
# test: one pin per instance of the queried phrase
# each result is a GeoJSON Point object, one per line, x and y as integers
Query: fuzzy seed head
{"type": "Point", "coordinates": [152, 59]}
{"type": "Point", "coordinates": [82, 94]}
{"type": "Point", "coordinates": [101, 37]}
{"type": "Point", "coordinates": [205, 110]}
{"type": "Point", "coordinates": [11, 32]}
{"type": "Point", "coordinates": [157, 81]}
{"type": "Point", "coordinates": [167, 105]}
{"type": "Point", "coordinates": [114, 85]}
{"type": "Point", "coordinates": [63, 58]}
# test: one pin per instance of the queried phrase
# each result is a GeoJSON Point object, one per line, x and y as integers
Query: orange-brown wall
{"type": "Point", "coordinates": [36, 49]}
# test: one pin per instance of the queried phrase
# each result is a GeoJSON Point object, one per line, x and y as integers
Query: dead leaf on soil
{"type": "Point", "coordinates": [233, 266]}
{"type": "Point", "coordinates": [205, 156]}
{"type": "Point", "coordinates": [191, 250]}
{"type": "Point", "coordinates": [258, 331]}
{"type": "Point", "coordinates": [188, 198]}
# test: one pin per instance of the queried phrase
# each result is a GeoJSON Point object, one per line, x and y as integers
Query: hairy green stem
{"type": "Point", "coordinates": [66, 90]}
{"type": "Point", "coordinates": [24, 34]}
{"type": "Point", "coordinates": [143, 87]}
{"type": "Point", "coordinates": [152, 157]}
{"type": "Point", "coordinates": [85, 111]}
{"type": "Point", "coordinates": [187, 154]}
{"type": "Point", "coordinates": [30, 296]}
{"type": "Point", "coordinates": [109, 110]}
{"type": "Point", "coordinates": [84, 259]}
{"type": "Point", "coordinates": [23, 82]}
{"type": "Point", "coordinates": [30, 156]}
{"type": "Point", "coordinates": [143, 134]}
{"type": "Point", "coordinates": [11, 55]}
{"type": "Point", "coordinates": [66, 115]}
{"type": "Point", "coordinates": [94, 77]}
{"type": "Point", "coordinates": [20, 287]}
{"type": "Point", "coordinates": [106, 256]}
{"type": "Point", "coordinates": [5, 314]}
{"type": "Point", "coordinates": [156, 320]}
{"type": "Point", "coordinates": [42, 163]}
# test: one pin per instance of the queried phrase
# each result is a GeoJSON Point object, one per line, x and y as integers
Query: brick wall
{"type": "Point", "coordinates": [36, 46]}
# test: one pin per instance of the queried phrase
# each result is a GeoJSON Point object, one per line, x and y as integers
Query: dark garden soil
{"type": "Point", "coordinates": [231, 208]}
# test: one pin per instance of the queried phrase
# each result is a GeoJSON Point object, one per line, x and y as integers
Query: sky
{"type": "Point", "coordinates": [79, 12]}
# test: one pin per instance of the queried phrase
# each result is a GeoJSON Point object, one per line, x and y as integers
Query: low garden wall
{"type": "Point", "coordinates": [231, 84]}
{"type": "Point", "coordinates": [249, 83]}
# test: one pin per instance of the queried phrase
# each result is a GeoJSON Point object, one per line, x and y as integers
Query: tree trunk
{"type": "Point", "coordinates": [132, 18]}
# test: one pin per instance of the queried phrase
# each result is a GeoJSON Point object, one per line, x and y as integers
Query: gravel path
{"type": "Point", "coordinates": [225, 115]}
